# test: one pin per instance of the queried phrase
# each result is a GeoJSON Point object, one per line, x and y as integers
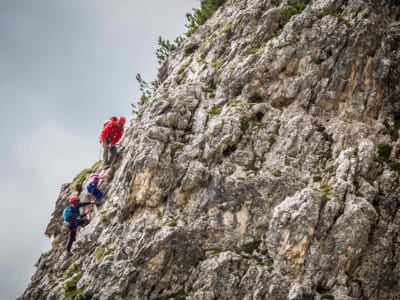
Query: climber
{"type": "Point", "coordinates": [112, 132]}
{"type": "Point", "coordinates": [93, 189]}
{"type": "Point", "coordinates": [73, 216]}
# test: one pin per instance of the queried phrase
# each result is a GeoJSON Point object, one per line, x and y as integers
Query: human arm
{"type": "Point", "coordinates": [82, 204]}
{"type": "Point", "coordinates": [117, 136]}
{"type": "Point", "coordinates": [107, 131]}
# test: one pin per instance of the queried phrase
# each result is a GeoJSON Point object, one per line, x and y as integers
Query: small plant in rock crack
{"type": "Point", "coordinates": [106, 249]}
{"type": "Point", "coordinates": [78, 180]}
{"type": "Point", "coordinates": [395, 166]}
{"type": "Point", "coordinates": [317, 178]}
{"type": "Point", "coordinates": [393, 128]}
{"type": "Point", "coordinates": [336, 14]}
{"type": "Point", "coordinates": [209, 91]}
{"type": "Point", "coordinates": [277, 173]}
{"type": "Point", "coordinates": [238, 103]}
{"type": "Point", "coordinates": [215, 111]}
{"type": "Point", "coordinates": [272, 139]}
{"type": "Point", "coordinates": [228, 26]}
{"type": "Point", "coordinates": [175, 148]}
{"type": "Point", "coordinates": [202, 58]}
{"type": "Point", "coordinates": [295, 7]}
{"type": "Point", "coordinates": [218, 63]}
{"type": "Point", "coordinates": [326, 189]}
{"type": "Point", "coordinates": [383, 153]}
{"type": "Point", "coordinates": [276, 2]}
{"type": "Point", "coordinates": [74, 273]}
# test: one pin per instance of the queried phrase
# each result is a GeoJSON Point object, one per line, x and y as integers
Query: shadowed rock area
{"type": "Point", "coordinates": [265, 166]}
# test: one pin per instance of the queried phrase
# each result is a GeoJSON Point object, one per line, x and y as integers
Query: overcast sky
{"type": "Point", "coordinates": [65, 66]}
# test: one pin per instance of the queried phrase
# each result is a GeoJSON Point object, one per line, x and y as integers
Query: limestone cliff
{"type": "Point", "coordinates": [265, 166]}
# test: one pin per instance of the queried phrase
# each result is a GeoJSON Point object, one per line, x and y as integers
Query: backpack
{"type": "Point", "coordinates": [68, 213]}
{"type": "Point", "coordinates": [110, 120]}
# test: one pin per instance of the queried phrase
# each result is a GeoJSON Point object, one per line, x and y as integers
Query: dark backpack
{"type": "Point", "coordinates": [68, 213]}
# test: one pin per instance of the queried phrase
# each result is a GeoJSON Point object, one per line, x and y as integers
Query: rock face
{"type": "Point", "coordinates": [266, 166]}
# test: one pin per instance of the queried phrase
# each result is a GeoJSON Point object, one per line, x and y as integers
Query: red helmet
{"type": "Point", "coordinates": [74, 199]}
{"type": "Point", "coordinates": [121, 120]}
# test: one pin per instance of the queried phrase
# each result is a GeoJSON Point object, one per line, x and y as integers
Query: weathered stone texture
{"type": "Point", "coordinates": [258, 169]}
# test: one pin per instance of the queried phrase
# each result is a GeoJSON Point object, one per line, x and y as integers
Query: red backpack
{"type": "Point", "coordinates": [112, 119]}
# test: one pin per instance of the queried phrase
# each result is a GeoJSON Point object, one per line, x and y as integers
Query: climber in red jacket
{"type": "Point", "coordinates": [112, 132]}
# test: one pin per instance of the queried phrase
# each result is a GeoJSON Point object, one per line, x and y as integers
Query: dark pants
{"type": "Point", "coordinates": [73, 227]}
{"type": "Point", "coordinates": [95, 191]}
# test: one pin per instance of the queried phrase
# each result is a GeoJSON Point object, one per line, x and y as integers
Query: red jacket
{"type": "Point", "coordinates": [113, 131]}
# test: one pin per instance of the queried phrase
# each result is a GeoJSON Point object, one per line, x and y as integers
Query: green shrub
{"type": "Point", "coordinates": [201, 15]}
{"type": "Point", "coordinates": [276, 2]}
{"type": "Point", "coordinates": [261, 159]}
{"type": "Point", "coordinates": [252, 50]}
{"type": "Point", "coordinates": [326, 188]}
{"type": "Point", "coordinates": [103, 251]}
{"type": "Point", "coordinates": [251, 167]}
{"type": "Point", "coordinates": [383, 153]}
{"type": "Point", "coordinates": [197, 18]}
{"type": "Point", "coordinates": [228, 26]}
{"type": "Point", "coordinates": [295, 8]}
{"type": "Point", "coordinates": [299, 6]}
{"type": "Point", "coordinates": [70, 286]}
{"type": "Point", "coordinates": [336, 14]}
{"type": "Point", "coordinates": [201, 159]}
{"type": "Point", "coordinates": [237, 103]}
{"type": "Point", "coordinates": [99, 255]}
{"type": "Point", "coordinates": [209, 91]}
{"type": "Point", "coordinates": [277, 173]}
{"type": "Point", "coordinates": [218, 63]}
{"type": "Point", "coordinates": [180, 70]}
{"type": "Point", "coordinates": [77, 182]}
{"type": "Point", "coordinates": [215, 111]}
{"type": "Point", "coordinates": [202, 58]}
{"type": "Point", "coordinates": [166, 47]}
{"type": "Point", "coordinates": [317, 178]}
{"type": "Point", "coordinates": [213, 252]}
{"type": "Point", "coordinates": [146, 88]}
{"type": "Point", "coordinates": [395, 166]}
{"type": "Point", "coordinates": [102, 214]}
{"type": "Point", "coordinates": [71, 270]}
{"type": "Point", "coordinates": [172, 223]}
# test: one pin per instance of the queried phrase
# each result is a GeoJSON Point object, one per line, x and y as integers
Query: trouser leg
{"type": "Point", "coordinates": [72, 236]}
{"type": "Point", "coordinates": [113, 152]}
{"type": "Point", "coordinates": [105, 154]}
{"type": "Point", "coordinates": [97, 193]}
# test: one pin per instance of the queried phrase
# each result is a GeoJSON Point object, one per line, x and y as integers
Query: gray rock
{"type": "Point", "coordinates": [266, 168]}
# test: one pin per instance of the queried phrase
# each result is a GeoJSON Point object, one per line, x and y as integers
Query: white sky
{"type": "Point", "coordinates": [65, 66]}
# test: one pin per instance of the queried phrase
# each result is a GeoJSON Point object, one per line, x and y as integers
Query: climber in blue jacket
{"type": "Point", "coordinates": [76, 219]}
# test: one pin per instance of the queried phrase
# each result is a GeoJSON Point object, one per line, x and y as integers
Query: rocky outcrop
{"type": "Point", "coordinates": [266, 166]}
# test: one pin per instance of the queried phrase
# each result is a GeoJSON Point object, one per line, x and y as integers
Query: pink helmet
{"type": "Point", "coordinates": [74, 199]}
{"type": "Point", "coordinates": [95, 179]}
